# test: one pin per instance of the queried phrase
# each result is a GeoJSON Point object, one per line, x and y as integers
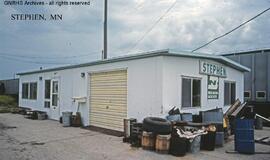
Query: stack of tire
{"type": "Point", "coordinates": [154, 127]}
{"type": "Point", "coordinates": [157, 125]}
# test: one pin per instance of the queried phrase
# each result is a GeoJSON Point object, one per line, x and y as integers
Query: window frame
{"type": "Point", "coordinates": [35, 92]}
{"type": "Point", "coordinates": [249, 92]}
{"type": "Point", "coordinates": [47, 99]}
{"type": "Point", "coordinates": [230, 92]}
{"type": "Point", "coordinates": [191, 92]}
{"type": "Point", "coordinates": [29, 90]}
{"type": "Point", "coordinates": [261, 98]}
{"type": "Point", "coordinates": [28, 94]}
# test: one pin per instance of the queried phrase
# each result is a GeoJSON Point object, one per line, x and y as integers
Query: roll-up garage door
{"type": "Point", "coordinates": [108, 99]}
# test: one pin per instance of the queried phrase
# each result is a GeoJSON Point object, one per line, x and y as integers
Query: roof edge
{"type": "Point", "coordinates": [165, 52]}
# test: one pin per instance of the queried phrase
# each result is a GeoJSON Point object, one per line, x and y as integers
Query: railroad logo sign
{"type": "Point", "coordinates": [213, 87]}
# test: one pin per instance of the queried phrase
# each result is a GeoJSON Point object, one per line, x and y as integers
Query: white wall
{"type": "Point", "coordinates": [176, 67]}
{"type": "Point", "coordinates": [144, 87]}
{"type": "Point", "coordinates": [154, 86]}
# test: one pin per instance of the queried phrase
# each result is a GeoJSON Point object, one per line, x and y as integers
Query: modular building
{"type": "Point", "coordinates": [134, 86]}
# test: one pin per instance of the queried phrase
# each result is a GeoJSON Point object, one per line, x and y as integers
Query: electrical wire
{"type": "Point", "coordinates": [225, 34]}
{"type": "Point", "coordinates": [29, 61]}
{"type": "Point", "coordinates": [55, 57]}
{"type": "Point", "coordinates": [153, 26]}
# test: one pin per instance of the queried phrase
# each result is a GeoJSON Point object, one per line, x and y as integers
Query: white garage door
{"type": "Point", "coordinates": [108, 99]}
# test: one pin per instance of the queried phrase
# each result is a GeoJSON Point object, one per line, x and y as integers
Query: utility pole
{"type": "Point", "coordinates": [104, 55]}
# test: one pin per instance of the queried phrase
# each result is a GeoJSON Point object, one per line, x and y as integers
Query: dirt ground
{"type": "Point", "coordinates": [26, 139]}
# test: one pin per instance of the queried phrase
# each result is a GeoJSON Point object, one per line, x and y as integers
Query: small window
{"type": "Point", "coordinates": [47, 104]}
{"type": "Point", "coordinates": [47, 89]}
{"type": "Point", "coordinates": [191, 92]}
{"type": "Point", "coordinates": [33, 90]}
{"type": "Point", "coordinates": [260, 95]}
{"type": "Point", "coordinates": [247, 95]}
{"type": "Point", "coordinates": [25, 90]}
{"type": "Point", "coordinates": [229, 93]}
{"type": "Point", "coordinates": [47, 93]}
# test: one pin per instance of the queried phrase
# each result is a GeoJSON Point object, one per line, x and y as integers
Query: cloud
{"type": "Point", "coordinates": [188, 25]}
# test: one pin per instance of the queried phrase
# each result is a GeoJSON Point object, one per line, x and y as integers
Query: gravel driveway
{"type": "Point", "coordinates": [26, 139]}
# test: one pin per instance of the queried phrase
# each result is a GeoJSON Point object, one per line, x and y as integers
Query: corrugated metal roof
{"type": "Point", "coordinates": [167, 52]}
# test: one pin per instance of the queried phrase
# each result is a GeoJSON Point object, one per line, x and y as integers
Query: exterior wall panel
{"type": "Point", "coordinates": [259, 77]}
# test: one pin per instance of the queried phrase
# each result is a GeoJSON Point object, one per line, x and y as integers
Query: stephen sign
{"type": "Point", "coordinates": [212, 69]}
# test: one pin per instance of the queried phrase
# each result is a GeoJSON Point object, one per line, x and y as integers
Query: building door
{"type": "Point", "coordinates": [55, 110]}
{"type": "Point", "coordinates": [108, 99]}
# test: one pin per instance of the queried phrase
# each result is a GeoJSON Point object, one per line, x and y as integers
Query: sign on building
{"type": "Point", "coordinates": [213, 87]}
{"type": "Point", "coordinates": [209, 68]}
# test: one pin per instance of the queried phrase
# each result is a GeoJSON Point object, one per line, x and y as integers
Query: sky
{"type": "Point", "coordinates": [29, 45]}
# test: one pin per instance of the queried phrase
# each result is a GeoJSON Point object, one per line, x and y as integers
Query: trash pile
{"type": "Point", "coordinates": [169, 137]}
{"type": "Point", "coordinates": [179, 133]}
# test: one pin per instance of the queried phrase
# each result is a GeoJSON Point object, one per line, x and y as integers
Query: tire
{"type": "Point", "coordinates": [157, 125]}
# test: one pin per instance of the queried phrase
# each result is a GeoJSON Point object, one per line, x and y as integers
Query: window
{"type": "Point", "coordinates": [47, 93]}
{"type": "Point", "coordinates": [33, 90]}
{"type": "Point", "coordinates": [47, 104]}
{"type": "Point", "coordinates": [25, 89]}
{"type": "Point", "coordinates": [29, 90]}
{"type": "Point", "coordinates": [260, 95]}
{"type": "Point", "coordinates": [229, 93]}
{"type": "Point", "coordinates": [247, 95]}
{"type": "Point", "coordinates": [191, 92]}
{"type": "Point", "coordinates": [47, 89]}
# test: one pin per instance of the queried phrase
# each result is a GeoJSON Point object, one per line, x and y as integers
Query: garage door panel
{"type": "Point", "coordinates": [109, 93]}
{"type": "Point", "coordinates": [108, 99]}
{"type": "Point", "coordinates": [101, 103]}
{"type": "Point", "coordinates": [108, 117]}
{"type": "Point", "coordinates": [115, 84]}
{"type": "Point", "coordinates": [111, 74]}
{"type": "Point", "coordinates": [114, 107]}
{"type": "Point", "coordinates": [115, 112]}
{"type": "Point", "coordinates": [105, 125]}
{"type": "Point", "coordinates": [112, 79]}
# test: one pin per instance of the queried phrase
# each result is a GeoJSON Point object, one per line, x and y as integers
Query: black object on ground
{"type": "Point", "coordinates": [178, 146]}
{"type": "Point", "coordinates": [76, 120]}
{"type": "Point", "coordinates": [157, 125]}
{"type": "Point", "coordinates": [208, 141]}
{"type": "Point", "coordinates": [61, 119]}
{"type": "Point", "coordinates": [31, 114]}
{"type": "Point", "coordinates": [136, 135]}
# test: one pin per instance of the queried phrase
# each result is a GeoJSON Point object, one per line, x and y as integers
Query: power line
{"type": "Point", "coordinates": [225, 34]}
{"type": "Point", "coordinates": [153, 26]}
{"type": "Point", "coordinates": [55, 57]}
{"type": "Point", "coordinates": [29, 61]}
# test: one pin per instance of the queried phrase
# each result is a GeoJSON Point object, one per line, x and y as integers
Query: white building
{"type": "Point", "coordinates": [134, 86]}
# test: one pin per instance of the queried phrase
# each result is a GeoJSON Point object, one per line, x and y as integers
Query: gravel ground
{"type": "Point", "coordinates": [26, 139]}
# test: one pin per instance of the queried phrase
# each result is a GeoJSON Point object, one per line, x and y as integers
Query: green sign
{"type": "Point", "coordinates": [212, 69]}
{"type": "Point", "coordinates": [212, 87]}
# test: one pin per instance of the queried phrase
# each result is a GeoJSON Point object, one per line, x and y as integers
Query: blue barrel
{"type": "Point", "coordinates": [244, 136]}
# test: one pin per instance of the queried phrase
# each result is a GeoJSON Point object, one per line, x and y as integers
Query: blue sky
{"type": "Point", "coordinates": [26, 45]}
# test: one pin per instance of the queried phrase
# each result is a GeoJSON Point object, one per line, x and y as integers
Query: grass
{"type": "Point", "coordinates": [7, 104]}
